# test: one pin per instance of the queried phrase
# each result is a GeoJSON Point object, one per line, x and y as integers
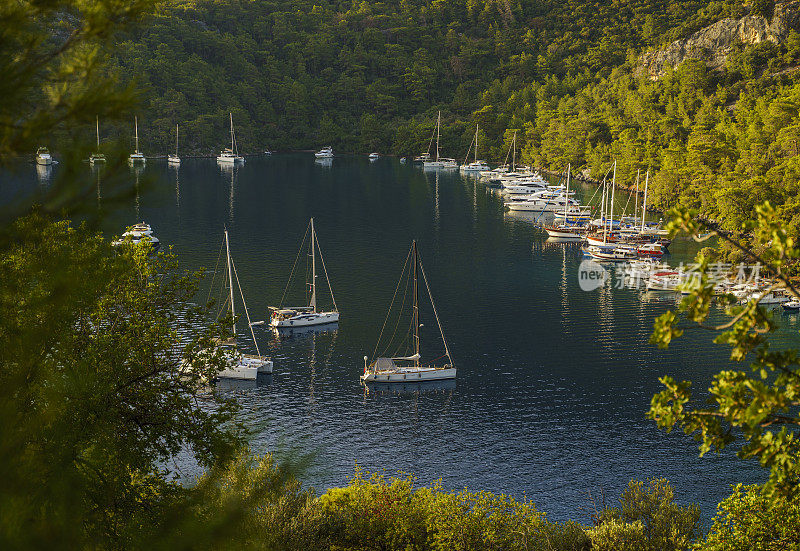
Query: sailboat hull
{"type": "Point", "coordinates": [247, 367]}
{"type": "Point", "coordinates": [410, 375]}
{"type": "Point", "coordinates": [306, 319]}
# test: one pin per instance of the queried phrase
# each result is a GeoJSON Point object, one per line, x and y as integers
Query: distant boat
{"type": "Point", "coordinates": [476, 165]}
{"type": "Point", "coordinates": [267, 152]}
{"type": "Point", "coordinates": [406, 369]}
{"type": "Point", "coordinates": [374, 156]}
{"type": "Point", "coordinates": [324, 153]}
{"type": "Point", "coordinates": [97, 157]}
{"type": "Point", "coordinates": [230, 155]}
{"type": "Point", "coordinates": [43, 156]}
{"type": "Point", "coordinates": [136, 157]}
{"type": "Point", "coordinates": [402, 160]}
{"type": "Point", "coordinates": [174, 159]}
{"type": "Point", "coordinates": [439, 162]}
{"type": "Point", "coordinates": [303, 316]}
{"type": "Point", "coordinates": [136, 234]}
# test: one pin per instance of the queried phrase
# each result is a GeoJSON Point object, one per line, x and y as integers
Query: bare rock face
{"type": "Point", "coordinates": [713, 43]}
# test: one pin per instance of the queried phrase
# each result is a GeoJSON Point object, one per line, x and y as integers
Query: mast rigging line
{"type": "Point", "coordinates": [397, 288]}
{"type": "Point", "coordinates": [296, 258]}
{"type": "Point", "coordinates": [325, 271]}
{"type": "Point", "coordinates": [435, 314]}
{"type": "Point", "coordinates": [244, 305]}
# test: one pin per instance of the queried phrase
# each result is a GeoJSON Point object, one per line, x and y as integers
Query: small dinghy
{"type": "Point", "coordinates": [791, 306]}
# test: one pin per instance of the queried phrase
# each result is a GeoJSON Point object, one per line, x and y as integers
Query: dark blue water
{"type": "Point", "coordinates": [553, 382]}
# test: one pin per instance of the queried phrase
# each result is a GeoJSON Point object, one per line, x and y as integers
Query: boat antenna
{"type": "Point", "coordinates": [435, 314]}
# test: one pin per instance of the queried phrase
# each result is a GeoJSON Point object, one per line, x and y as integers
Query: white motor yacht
{"type": "Point", "coordinates": [43, 156]}
{"type": "Point", "coordinates": [324, 153]}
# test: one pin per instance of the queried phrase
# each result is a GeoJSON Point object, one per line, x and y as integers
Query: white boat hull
{"type": "Point", "coordinates": [44, 160]}
{"type": "Point", "coordinates": [230, 160]}
{"type": "Point", "coordinates": [173, 160]}
{"type": "Point", "coordinates": [410, 375]}
{"type": "Point", "coordinates": [248, 369]}
{"type": "Point", "coordinates": [306, 319]}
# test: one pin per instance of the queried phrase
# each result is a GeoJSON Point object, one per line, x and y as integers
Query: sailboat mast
{"type": "Point", "coordinates": [230, 279]}
{"type": "Point", "coordinates": [611, 205]}
{"type": "Point", "coordinates": [97, 120]}
{"type": "Point", "coordinates": [476, 143]}
{"type": "Point", "coordinates": [415, 321]}
{"type": "Point", "coordinates": [233, 141]}
{"type": "Point", "coordinates": [136, 132]}
{"type": "Point", "coordinates": [636, 203]}
{"type": "Point", "coordinates": [566, 197]}
{"type": "Point", "coordinates": [176, 140]}
{"type": "Point", "coordinates": [514, 154]}
{"type": "Point", "coordinates": [603, 207]}
{"type": "Point", "coordinates": [313, 302]}
{"type": "Point", "coordinates": [644, 201]}
{"type": "Point", "coordinates": [438, 123]}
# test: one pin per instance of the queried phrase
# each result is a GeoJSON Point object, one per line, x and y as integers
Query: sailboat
{"type": "Point", "coordinates": [230, 155]}
{"type": "Point", "coordinates": [476, 165]}
{"type": "Point", "coordinates": [137, 157]}
{"type": "Point", "coordinates": [405, 369]}
{"type": "Point", "coordinates": [566, 230]}
{"type": "Point", "coordinates": [97, 157]}
{"type": "Point", "coordinates": [174, 159]}
{"type": "Point", "coordinates": [303, 316]}
{"type": "Point", "coordinates": [439, 162]}
{"type": "Point", "coordinates": [237, 364]}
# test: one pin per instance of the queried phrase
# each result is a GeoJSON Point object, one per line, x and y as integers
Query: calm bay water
{"type": "Point", "coordinates": [553, 382]}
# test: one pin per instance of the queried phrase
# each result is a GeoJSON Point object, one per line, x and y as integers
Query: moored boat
{"type": "Point", "coordinates": [406, 369]}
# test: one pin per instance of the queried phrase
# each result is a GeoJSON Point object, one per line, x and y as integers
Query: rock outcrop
{"type": "Point", "coordinates": [713, 43]}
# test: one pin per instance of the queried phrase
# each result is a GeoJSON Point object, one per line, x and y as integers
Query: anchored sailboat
{"type": "Point", "coordinates": [174, 159]}
{"type": "Point", "coordinates": [404, 369]}
{"type": "Point", "coordinates": [230, 155]}
{"type": "Point", "coordinates": [439, 162]}
{"type": "Point", "coordinates": [303, 316]}
{"type": "Point", "coordinates": [476, 165]}
{"type": "Point", "coordinates": [238, 365]}
{"type": "Point", "coordinates": [97, 157]}
{"type": "Point", "coordinates": [137, 157]}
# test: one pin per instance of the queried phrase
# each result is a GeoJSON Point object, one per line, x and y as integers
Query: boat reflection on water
{"type": "Point", "coordinates": [284, 333]}
{"type": "Point", "coordinates": [325, 162]}
{"type": "Point", "coordinates": [44, 173]}
{"type": "Point", "coordinates": [444, 386]}
{"type": "Point", "coordinates": [234, 385]}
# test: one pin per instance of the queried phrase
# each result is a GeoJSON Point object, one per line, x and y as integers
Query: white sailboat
{"type": "Point", "coordinates": [137, 157]}
{"type": "Point", "coordinates": [476, 165]}
{"type": "Point", "coordinates": [439, 162]}
{"type": "Point", "coordinates": [97, 157]}
{"type": "Point", "coordinates": [566, 230]}
{"type": "Point", "coordinates": [407, 369]}
{"type": "Point", "coordinates": [174, 159]}
{"type": "Point", "coordinates": [230, 155]}
{"type": "Point", "coordinates": [237, 364]}
{"type": "Point", "coordinates": [304, 316]}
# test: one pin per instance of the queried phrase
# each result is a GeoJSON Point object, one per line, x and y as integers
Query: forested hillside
{"type": "Point", "coordinates": [366, 76]}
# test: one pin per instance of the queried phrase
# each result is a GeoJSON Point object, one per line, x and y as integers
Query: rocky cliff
{"type": "Point", "coordinates": [713, 43]}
